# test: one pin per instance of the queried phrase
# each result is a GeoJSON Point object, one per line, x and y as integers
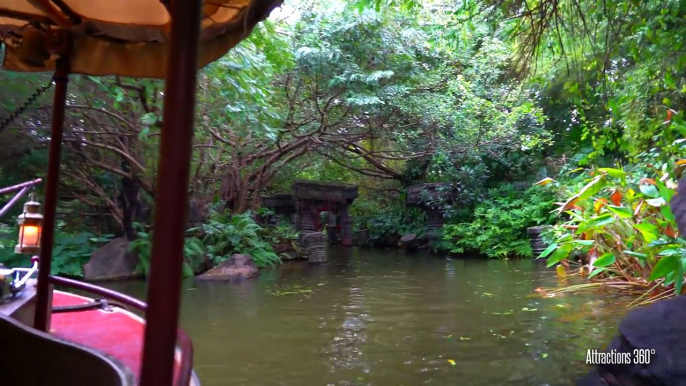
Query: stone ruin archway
{"type": "Point", "coordinates": [305, 206]}
{"type": "Point", "coordinates": [312, 198]}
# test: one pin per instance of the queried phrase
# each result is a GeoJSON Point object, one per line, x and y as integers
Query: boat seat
{"type": "Point", "coordinates": [32, 357]}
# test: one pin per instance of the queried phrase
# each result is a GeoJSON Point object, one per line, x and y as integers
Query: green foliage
{"type": "Point", "coordinates": [337, 96]}
{"type": "Point", "coordinates": [396, 223]}
{"type": "Point", "coordinates": [493, 132]}
{"type": "Point", "coordinates": [193, 251]}
{"type": "Point", "coordinates": [283, 239]}
{"type": "Point", "coordinates": [450, 114]}
{"type": "Point", "coordinates": [238, 95]}
{"type": "Point", "coordinates": [625, 228]}
{"type": "Point", "coordinates": [8, 239]}
{"type": "Point", "coordinates": [221, 236]}
{"type": "Point", "coordinates": [226, 234]}
{"type": "Point", "coordinates": [387, 94]}
{"type": "Point", "coordinates": [498, 227]}
{"type": "Point", "coordinates": [70, 253]}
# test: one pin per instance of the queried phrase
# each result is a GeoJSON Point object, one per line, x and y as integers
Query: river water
{"type": "Point", "coordinates": [383, 318]}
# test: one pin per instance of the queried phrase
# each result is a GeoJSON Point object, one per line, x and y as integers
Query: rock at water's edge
{"type": "Point", "coordinates": [112, 262]}
{"type": "Point", "coordinates": [410, 242]}
{"type": "Point", "coordinates": [361, 237]}
{"type": "Point", "coordinates": [238, 267]}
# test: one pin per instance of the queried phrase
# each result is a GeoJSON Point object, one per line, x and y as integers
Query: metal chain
{"type": "Point", "coordinates": [32, 99]}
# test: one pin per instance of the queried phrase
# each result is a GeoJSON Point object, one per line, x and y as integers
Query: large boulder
{"type": "Point", "coordinates": [238, 267]}
{"type": "Point", "coordinates": [113, 261]}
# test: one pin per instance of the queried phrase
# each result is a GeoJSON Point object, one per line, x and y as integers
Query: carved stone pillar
{"type": "Point", "coordinates": [346, 227]}
{"type": "Point", "coordinates": [306, 218]}
{"type": "Point", "coordinates": [332, 231]}
{"type": "Point", "coordinates": [314, 245]}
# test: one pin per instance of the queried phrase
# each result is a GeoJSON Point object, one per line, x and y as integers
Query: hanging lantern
{"type": "Point", "coordinates": [30, 227]}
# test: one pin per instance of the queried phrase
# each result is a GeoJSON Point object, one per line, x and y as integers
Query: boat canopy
{"type": "Point", "coordinates": [123, 37]}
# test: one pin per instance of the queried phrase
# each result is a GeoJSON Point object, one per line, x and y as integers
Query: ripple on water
{"type": "Point", "coordinates": [382, 318]}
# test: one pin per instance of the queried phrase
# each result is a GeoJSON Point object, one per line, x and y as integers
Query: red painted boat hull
{"type": "Point", "coordinates": [118, 333]}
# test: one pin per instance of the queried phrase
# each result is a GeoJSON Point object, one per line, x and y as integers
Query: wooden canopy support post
{"type": "Point", "coordinates": [43, 294]}
{"type": "Point", "coordinates": [164, 284]}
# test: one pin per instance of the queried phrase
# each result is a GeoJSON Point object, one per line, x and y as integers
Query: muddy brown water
{"type": "Point", "coordinates": [383, 318]}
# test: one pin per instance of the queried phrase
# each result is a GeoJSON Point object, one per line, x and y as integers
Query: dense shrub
{"type": "Point", "coordinates": [498, 226]}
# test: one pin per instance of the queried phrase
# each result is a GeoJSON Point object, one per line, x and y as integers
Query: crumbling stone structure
{"type": "Point", "coordinates": [282, 205]}
{"type": "Point", "coordinates": [429, 197]}
{"type": "Point", "coordinates": [312, 198]}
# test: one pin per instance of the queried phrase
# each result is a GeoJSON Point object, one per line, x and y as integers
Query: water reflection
{"type": "Point", "coordinates": [384, 318]}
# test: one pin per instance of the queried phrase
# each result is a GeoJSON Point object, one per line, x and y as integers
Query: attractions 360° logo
{"type": "Point", "coordinates": [612, 357]}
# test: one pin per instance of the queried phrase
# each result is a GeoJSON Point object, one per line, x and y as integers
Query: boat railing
{"type": "Point", "coordinates": [183, 341]}
{"type": "Point", "coordinates": [22, 188]}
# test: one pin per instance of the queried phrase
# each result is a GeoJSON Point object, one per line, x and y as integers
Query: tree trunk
{"type": "Point", "coordinates": [243, 193]}
{"type": "Point", "coordinates": [130, 204]}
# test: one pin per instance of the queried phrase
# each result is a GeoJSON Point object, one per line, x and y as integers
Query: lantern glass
{"type": "Point", "coordinates": [29, 235]}
{"type": "Point", "coordinates": [30, 228]}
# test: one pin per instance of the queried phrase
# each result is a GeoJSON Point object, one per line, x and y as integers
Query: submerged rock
{"type": "Point", "coordinates": [238, 267]}
{"type": "Point", "coordinates": [289, 255]}
{"type": "Point", "coordinates": [409, 242]}
{"type": "Point", "coordinates": [387, 241]}
{"type": "Point", "coordinates": [655, 336]}
{"type": "Point", "coordinates": [361, 237]}
{"type": "Point", "coordinates": [112, 262]}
